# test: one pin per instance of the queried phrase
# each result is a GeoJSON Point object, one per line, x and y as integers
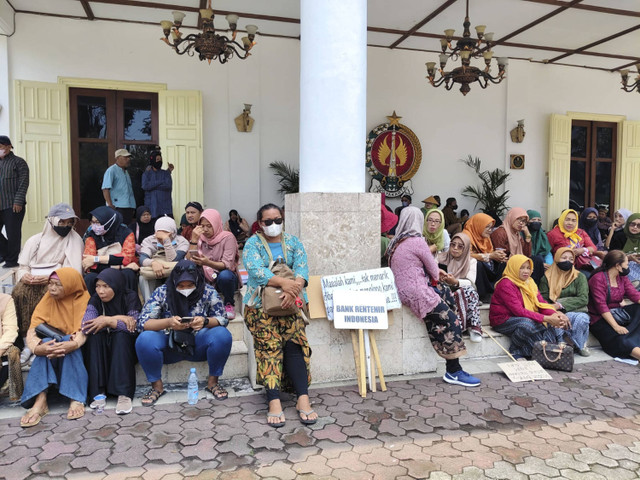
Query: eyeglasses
{"type": "Point", "coordinates": [521, 221]}
{"type": "Point", "coordinates": [634, 225]}
{"type": "Point", "coordinates": [188, 269]}
{"type": "Point", "coordinates": [456, 246]}
{"type": "Point", "coordinates": [268, 223]}
{"type": "Point", "coordinates": [435, 222]}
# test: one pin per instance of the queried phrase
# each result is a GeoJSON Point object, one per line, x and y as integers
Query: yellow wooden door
{"type": "Point", "coordinates": [41, 137]}
{"type": "Point", "coordinates": [559, 173]}
{"type": "Point", "coordinates": [180, 132]}
{"type": "Point", "coordinates": [628, 168]}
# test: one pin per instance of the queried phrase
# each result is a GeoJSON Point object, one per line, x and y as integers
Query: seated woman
{"type": "Point", "coordinates": [461, 276]}
{"type": "Point", "coordinates": [568, 291]}
{"type": "Point", "coordinates": [238, 226]}
{"type": "Point", "coordinates": [159, 254]}
{"type": "Point", "coordinates": [108, 243]}
{"type": "Point", "coordinates": [589, 223]}
{"type": "Point", "coordinates": [491, 262]}
{"type": "Point", "coordinates": [416, 275]}
{"type": "Point", "coordinates": [192, 211]}
{"type": "Point", "coordinates": [9, 354]}
{"type": "Point", "coordinates": [142, 227]}
{"type": "Point", "coordinates": [567, 234]}
{"type": "Point", "coordinates": [616, 238]}
{"type": "Point", "coordinates": [184, 302]}
{"type": "Point", "coordinates": [57, 246]}
{"type": "Point", "coordinates": [519, 311]}
{"type": "Point", "coordinates": [632, 248]}
{"type": "Point", "coordinates": [539, 242]}
{"type": "Point", "coordinates": [109, 324]}
{"type": "Point", "coordinates": [218, 255]}
{"type": "Point", "coordinates": [57, 363]}
{"type": "Point", "coordinates": [617, 328]}
{"type": "Point", "coordinates": [434, 232]}
{"type": "Point", "coordinates": [281, 346]}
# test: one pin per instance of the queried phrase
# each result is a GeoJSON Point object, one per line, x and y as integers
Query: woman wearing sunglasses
{"type": "Point", "coordinates": [184, 302]}
{"type": "Point", "coordinates": [281, 346]}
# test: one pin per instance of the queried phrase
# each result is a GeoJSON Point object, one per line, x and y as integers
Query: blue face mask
{"type": "Point", "coordinates": [405, 204]}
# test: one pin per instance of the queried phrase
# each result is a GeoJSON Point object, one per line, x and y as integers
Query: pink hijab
{"type": "Point", "coordinates": [515, 246]}
{"type": "Point", "coordinates": [221, 247]}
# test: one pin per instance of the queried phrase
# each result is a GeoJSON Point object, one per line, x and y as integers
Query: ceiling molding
{"type": "Point", "coordinates": [423, 22]}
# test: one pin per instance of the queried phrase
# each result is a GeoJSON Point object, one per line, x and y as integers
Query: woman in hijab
{"type": "Point", "coordinates": [491, 262]}
{"type": "Point", "coordinates": [589, 223]}
{"type": "Point", "coordinates": [238, 226]}
{"type": "Point", "coordinates": [616, 237]}
{"type": "Point", "coordinates": [57, 363]}
{"type": "Point", "coordinates": [9, 354]}
{"type": "Point", "coordinates": [568, 291]}
{"type": "Point", "coordinates": [219, 257]}
{"type": "Point", "coordinates": [632, 248]}
{"type": "Point", "coordinates": [57, 246]}
{"type": "Point", "coordinates": [539, 241]}
{"type": "Point", "coordinates": [567, 234]}
{"type": "Point", "coordinates": [143, 226]}
{"type": "Point", "coordinates": [192, 213]}
{"type": "Point", "coordinates": [434, 232]}
{"type": "Point", "coordinates": [108, 243]}
{"type": "Point", "coordinates": [518, 310]}
{"type": "Point", "coordinates": [185, 302]}
{"type": "Point", "coordinates": [416, 275]}
{"type": "Point", "coordinates": [109, 324]}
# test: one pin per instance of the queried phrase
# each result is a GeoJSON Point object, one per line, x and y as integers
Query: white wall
{"type": "Point", "coordinates": [449, 125]}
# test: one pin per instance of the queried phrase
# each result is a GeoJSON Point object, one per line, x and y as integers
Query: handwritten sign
{"type": "Point", "coordinates": [377, 280]}
{"type": "Point", "coordinates": [366, 310]}
{"type": "Point", "coordinates": [524, 371]}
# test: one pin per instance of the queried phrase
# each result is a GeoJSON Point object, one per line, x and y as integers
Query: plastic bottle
{"type": "Point", "coordinates": [192, 388]}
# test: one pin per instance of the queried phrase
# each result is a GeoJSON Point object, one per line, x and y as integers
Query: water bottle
{"type": "Point", "coordinates": [192, 388]}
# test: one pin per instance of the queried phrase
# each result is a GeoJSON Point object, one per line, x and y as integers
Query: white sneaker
{"type": "Point", "coordinates": [25, 355]}
{"type": "Point", "coordinates": [124, 405]}
{"type": "Point", "coordinates": [475, 337]}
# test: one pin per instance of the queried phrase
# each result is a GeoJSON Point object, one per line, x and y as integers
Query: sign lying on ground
{"type": "Point", "coordinates": [353, 310]}
{"type": "Point", "coordinates": [377, 280]}
{"type": "Point", "coordinates": [524, 371]}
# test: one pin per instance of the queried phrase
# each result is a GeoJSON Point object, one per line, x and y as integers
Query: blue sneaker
{"type": "Point", "coordinates": [461, 378]}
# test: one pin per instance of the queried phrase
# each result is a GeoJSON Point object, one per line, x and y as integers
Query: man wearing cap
{"type": "Point", "coordinates": [116, 186]}
{"type": "Point", "coordinates": [14, 181]}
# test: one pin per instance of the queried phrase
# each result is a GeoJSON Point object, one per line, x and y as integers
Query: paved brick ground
{"type": "Point", "coordinates": [583, 425]}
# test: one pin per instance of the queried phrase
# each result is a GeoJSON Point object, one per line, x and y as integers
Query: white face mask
{"type": "Point", "coordinates": [187, 291]}
{"type": "Point", "coordinates": [4, 151]}
{"type": "Point", "coordinates": [272, 230]}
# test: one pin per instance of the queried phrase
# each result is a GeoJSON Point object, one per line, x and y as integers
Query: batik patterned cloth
{"type": "Point", "coordinates": [445, 327]}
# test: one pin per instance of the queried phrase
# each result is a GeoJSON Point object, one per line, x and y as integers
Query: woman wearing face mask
{"type": "Point", "coordinates": [143, 226]}
{"type": "Point", "coordinates": [434, 232]}
{"type": "Point", "coordinates": [192, 212]}
{"type": "Point", "coordinates": [281, 345]}
{"type": "Point", "coordinates": [109, 324]}
{"type": "Point", "coordinates": [589, 223]}
{"type": "Point", "coordinates": [157, 185]}
{"type": "Point", "coordinates": [108, 243]}
{"type": "Point", "coordinates": [217, 253]}
{"type": "Point", "coordinates": [617, 328]}
{"type": "Point", "coordinates": [186, 301]}
{"type": "Point", "coordinates": [632, 248]}
{"type": "Point", "coordinates": [57, 246]}
{"type": "Point", "coordinates": [616, 237]}
{"type": "Point", "coordinates": [539, 242]}
{"type": "Point", "coordinates": [567, 234]}
{"type": "Point", "coordinates": [238, 226]}
{"type": "Point", "coordinates": [568, 291]}
{"type": "Point", "coordinates": [519, 311]}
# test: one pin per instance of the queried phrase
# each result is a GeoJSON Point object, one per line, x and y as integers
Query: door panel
{"type": "Point", "coordinates": [559, 166]}
{"type": "Point", "coordinates": [628, 171]}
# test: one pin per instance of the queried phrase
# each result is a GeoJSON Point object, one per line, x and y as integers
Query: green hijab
{"type": "Point", "coordinates": [436, 238]}
{"type": "Point", "coordinates": [633, 241]}
{"type": "Point", "coordinates": [539, 241]}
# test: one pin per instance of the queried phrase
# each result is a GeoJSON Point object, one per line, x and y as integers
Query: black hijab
{"type": "Point", "coordinates": [142, 230]}
{"type": "Point", "coordinates": [115, 231]}
{"type": "Point", "coordinates": [178, 303]}
{"type": "Point", "coordinates": [123, 300]}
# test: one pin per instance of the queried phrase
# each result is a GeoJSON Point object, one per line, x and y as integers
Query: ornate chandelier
{"type": "Point", "coordinates": [209, 45]}
{"type": "Point", "coordinates": [465, 49]}
{"type": "Point", "coordinates": [630, 87]}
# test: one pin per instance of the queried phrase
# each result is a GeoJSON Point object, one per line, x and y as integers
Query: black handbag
{"type": "Point", "coordinates": [47, 331]}
{"type": "Point", "coordinates": [182, 342]}
{"type": "Point", "coordinates": [553, 356]}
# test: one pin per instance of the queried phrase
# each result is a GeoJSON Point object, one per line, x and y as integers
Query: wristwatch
{"type": "Point", "coordinates": [206, 322]}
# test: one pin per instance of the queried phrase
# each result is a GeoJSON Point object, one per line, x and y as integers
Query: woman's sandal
{"type": "Point", "coordinates": [76, 410]}
{"type": "Point", "coordinates": [35, 422]}
{"type": "Point", "coordinates": [275, 415]}
{"type": "Point", "coordinates": [218, 392]}
{"type": "Point", "coordinates": [151, 397]}
{"type": "Point", "coordinates": [307, 421]}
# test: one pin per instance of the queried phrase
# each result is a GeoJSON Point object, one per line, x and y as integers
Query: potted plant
{"type": "Point", "coordinates": [487, 194]}
{"type": "Point", "coordinates": [288, 177]}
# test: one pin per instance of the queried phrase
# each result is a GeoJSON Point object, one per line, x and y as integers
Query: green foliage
{"type": "Point", "coordinates": [487, 193]}
{"type": "Point", "coordinates": [288, 177]}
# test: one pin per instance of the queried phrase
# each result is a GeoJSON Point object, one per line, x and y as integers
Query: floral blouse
{"type": "Point", "coordinates": [256, 260]}
{"type": "Point", "coordinates": [209, 305]}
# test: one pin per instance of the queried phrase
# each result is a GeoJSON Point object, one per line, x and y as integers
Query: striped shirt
{"type": "Point", "coordinates": [14, 181]}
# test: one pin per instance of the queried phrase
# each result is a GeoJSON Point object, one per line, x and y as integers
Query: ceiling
{"type": "Point", "coordinates": [600, 34]}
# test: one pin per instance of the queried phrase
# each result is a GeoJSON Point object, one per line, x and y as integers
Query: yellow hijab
{"type": "Point", "coordinates": [559, 279]}
{"type": "Point", "coordinates": [571, 235]}
{"type": "Point", "coordinates": [528, 289]}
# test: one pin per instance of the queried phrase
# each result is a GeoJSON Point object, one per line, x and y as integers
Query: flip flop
{"type": "Point", "coordinates": [275, 415]}
{"type": "Point", "coordinates": [218, 392]}
{"type": "Point", "coordinates": [151, 397]}
{"type": "Point", "coordinates": [307, 421]}
{"type": "Point", "coordinates": [35, 422]}
{"type": "Point", "coordinates": [79, 413]}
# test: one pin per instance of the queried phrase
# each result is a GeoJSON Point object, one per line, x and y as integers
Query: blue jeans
{"type": "Point", "coordinates": [212, 345]}
{"type": "Point", "coordinates": [579, 328]}
{"type": "Point", "coordinates": [227, 284]}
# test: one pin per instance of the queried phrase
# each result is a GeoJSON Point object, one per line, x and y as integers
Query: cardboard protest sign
{"type": "Point", "coordinates": [524, 371]}
{"type": "Point", "coordinates": [354, 310]}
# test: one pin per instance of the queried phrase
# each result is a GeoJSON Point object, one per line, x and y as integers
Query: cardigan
{"type": "Point", "coordinates": [573, 298]}
{"type": "Point", "coordinates": [507, 302]}
{"type": "Point", "coordinates": [598, 287]}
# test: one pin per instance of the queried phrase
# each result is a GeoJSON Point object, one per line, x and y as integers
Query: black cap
{"type": "Point", "coordinates": [4, 140]}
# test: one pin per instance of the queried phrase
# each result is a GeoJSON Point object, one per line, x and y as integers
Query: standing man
{"type": "Point", "coordinates": [116, 186]}
{"type": "Point", "coordinates": [451, 221]}
{"type": "Point", "coordinates": [14, 181]}
{"type": "Point", "coordinates": [157, 185]}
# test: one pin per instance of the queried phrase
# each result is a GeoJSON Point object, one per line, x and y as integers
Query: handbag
{"type": "Point", "coordinates": [182, 342]}
{"type": "Point", "coordinates": [553, 356]}
{"type": "Point", "coordinates": [47, 331]}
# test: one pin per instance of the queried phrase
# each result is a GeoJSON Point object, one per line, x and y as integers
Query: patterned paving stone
{"type": "Point", "coordinates": [419, 468]}
{"type": "Point", "coordinates": [98, 461]}
{"type": "Point", "coordinates": [205, 449]}
{"type": "Point", "coordinates": [278, 470]}
{"type": "Point", "coordinates": [316, 464]}
{"type": "Point", "coordinates": [505, 471]}
{"type": "Point", "coordinates": [385, 472]}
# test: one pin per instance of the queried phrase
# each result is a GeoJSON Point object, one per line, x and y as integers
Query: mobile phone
{"type": "Point", "coordinates": [186, 319]}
